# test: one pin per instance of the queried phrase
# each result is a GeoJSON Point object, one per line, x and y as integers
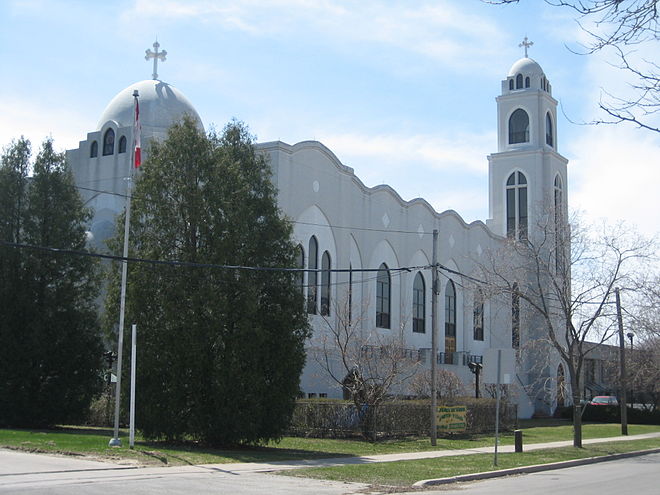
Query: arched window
{"type": "Point", "coordinates": [561, 386]}
{"type": "Point", "coordinates": [478, 316]}
{"type": "Point", "coordinates": [510, 84]}
{"type": "Point", "coordinates": [94, 150]}
{"type": "Point", "coordinates": [515, 317]}
{"type": "Point", "coordinates": [122, 145]}
{"type": "Point", "coordinates": [516, 206]}
{"type": "Point", "coordinates": [560, 247]}
{"type": "Point", "coordinates": [350, 293]}
{"type": "Point", "coordinates": [312, 277]}
{"type": "Point", "coordinates": [519, 81]}
{"type": "Point", "coordinates": [450, 322]}
{"type": "Point", "coordinates": [109, 142]}
{"type": "Point", "coordinates": [300, 263]}
{"type": "Point", "coordinates": [325, 284]}
{"type": "Point", "coordinates": [527, 82]}
{"type": "Point", "coordinates": [419, 304]}
{"type": "Point", "coordinates": [558, 192]}
{"type": "Point", "coordinates": [549, 140]}
{"type": "Point", "coordinates": [383, 297]}
{"type": "Point", "coordinates": [519, 127]}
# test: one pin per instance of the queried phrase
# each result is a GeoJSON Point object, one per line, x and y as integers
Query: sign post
{"type": "Point", "coordinates": [499, 368]}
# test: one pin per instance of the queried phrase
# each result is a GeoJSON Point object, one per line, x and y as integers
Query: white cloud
{"type": "Point", "coordinates": [616, 176]}
{"type": "Point", "coordinates": [433, 151]}
{"type": "Point", "coordinates": [443, 31]}
{"type": "Point", "coordinates": [39, 120]}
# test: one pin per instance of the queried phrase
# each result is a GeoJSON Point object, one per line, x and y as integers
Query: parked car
{"type": "Point", "coordinates": [604, 400]}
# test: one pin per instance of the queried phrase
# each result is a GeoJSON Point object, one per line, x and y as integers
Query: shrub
{"type": "Point", "coordinates": [398, 418]}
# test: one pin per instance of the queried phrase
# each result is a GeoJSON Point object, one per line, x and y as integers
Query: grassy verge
{"type": "Point", "coordinates": [405, 473]}
{"type": "Point", "coordinates": [93, 442]}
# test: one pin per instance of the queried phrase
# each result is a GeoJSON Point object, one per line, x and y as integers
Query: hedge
{"type": "Point", "coordinates": [391, 419]}
{"type": "Point", "coordinates": [612, 414]}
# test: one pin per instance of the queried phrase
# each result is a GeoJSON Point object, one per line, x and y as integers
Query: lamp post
{"type": "Point", "coordinates": [476, 369]}
{"type": "Point", "coordinates": [631, 336]}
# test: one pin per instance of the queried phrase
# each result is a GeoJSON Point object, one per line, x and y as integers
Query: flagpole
{"type": "Point", "coordinates": [115, 441]}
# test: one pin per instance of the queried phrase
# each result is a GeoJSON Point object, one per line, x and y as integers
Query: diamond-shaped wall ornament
{"type": "Point", "coordinates": [452, 241]}
{"type": "Point", "coordinates": [386, 220]}
{"type": "Point", "coordinates": [479, 250]}
{"type": "Point", "coordinates": [420, 231]}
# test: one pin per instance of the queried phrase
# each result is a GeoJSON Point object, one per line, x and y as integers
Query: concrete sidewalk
{"type": "Point", "coordinates": [20, 470]}
{"type": "Point", "coordinates": [407, 456]}
{"type": "Point", "coordinates": [17, 468]}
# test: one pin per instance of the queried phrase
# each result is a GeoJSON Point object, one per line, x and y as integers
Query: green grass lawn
{"type": "Point", "coordinates": [405, 473]}
{"type": "Point", "coordinates": [94, 442]}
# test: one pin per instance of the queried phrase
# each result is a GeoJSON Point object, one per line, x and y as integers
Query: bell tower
{"type": "Point", "coordinates": [527, 175]}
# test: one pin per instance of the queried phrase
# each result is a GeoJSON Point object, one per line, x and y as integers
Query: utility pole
{"type": "Point", "coordinates": [623, 402]}
{"type": "Point", "coordinates": [115, 441]}
{"type": "Point", "coordinates": [434, 340]}
{"type": "Point", "coordinates": [631, 336]}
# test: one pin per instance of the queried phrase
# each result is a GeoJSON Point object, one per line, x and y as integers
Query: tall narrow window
{"type": "Point", "coordinates": [478, 316]}
{"type": "Point", "coordinates": [516, 206]}
{"type": "Point", "coordinates": [519, 127]}
{"type": "Point", "coordinates": [325, 284]}
{"type": "Point", "coordinates": [560, 247]}
{"type": "Point", "coordinates": [527, 82]}
{"type": "Point", "coordinates": [450, 322]}
{"type": "Point", "coordinates": [510, 84]}
{"type": "Point", "coordinates": [419, 304]}
{"type": "Point", "coordinates": [94, 150]}
{"type": "Point", "coordinates": [312, 276]}
{"type": "Point", "coordinates": [350, 293]}
{"type": "Point", "coordinates": [519, 81]}
{"type": "Point", "coordinates": [109, 142]}
{"type": "Point", "coordinates": [549, 135]}
{"type": "Point", "coordinates": [515, 317]}
{"type": "Point", "coordinates": [383, 297]}
{"type": "Point", "coordinates": [121, 148]}
{"type": "Point", "coordinates": [300, 263]}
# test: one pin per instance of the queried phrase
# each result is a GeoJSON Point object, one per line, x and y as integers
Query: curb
{"type": "Point", "coordinates": [531, 469]}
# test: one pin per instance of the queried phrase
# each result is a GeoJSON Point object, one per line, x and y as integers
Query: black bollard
{"type": "Point", "coordinates": [517, 435]}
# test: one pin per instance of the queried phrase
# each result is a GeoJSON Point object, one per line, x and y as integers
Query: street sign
{"type": "Point", "coordinates": [451, 419]}
{"type": "Point", "coordinates": [507, 366]}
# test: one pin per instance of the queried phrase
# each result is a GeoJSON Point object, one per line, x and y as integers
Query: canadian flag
{"type": "Point", "coordinates": [136, 134]}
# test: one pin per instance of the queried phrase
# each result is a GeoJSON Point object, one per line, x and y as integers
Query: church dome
{"type": "Point", "coordinates": [161, 105]}
{"type": "Point", "coordinates": [526, 66]}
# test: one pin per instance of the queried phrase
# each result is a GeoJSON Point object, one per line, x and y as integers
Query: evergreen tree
{"type": "Point", "coordinates": [50, 346]}
{"type": "Point", "coordinates": [220, 351]}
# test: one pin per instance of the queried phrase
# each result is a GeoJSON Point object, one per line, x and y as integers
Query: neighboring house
{"type": "Point", "coordinates": [600, 373]}
{"type": "Point", "coordinates": [339, 223]}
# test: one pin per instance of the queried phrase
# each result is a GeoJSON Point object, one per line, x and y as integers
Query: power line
{"type": "Point", "coordinates": [200, 265]}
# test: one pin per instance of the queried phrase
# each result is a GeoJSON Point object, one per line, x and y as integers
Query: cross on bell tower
{"type": "Point", "coordinates": [525, 42]}
{"type": "Point", "coordinates": [156, 55]}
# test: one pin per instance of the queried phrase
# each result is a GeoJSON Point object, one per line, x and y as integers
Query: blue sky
{"type": "Point", "coordinates": [402, 91]}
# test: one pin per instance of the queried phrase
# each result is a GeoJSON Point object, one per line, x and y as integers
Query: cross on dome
{"type": "Point", "coordinates": [156, 55]}
{"type": "Point", "coordinates": [525, 42]}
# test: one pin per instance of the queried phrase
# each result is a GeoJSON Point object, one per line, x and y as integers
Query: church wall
{"type": "Point", "coordinates": [322, 197]}
{"type": "Point", "coordinates": [362, 227]}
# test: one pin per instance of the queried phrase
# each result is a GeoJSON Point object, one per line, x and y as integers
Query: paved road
{"type": "Point", "coordinates": [22, 473]}
{"type": "Point", "coordinates": [635, 475]}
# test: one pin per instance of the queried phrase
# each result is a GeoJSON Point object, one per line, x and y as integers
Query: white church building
{"type": "Point", "coordinates": [339, 223]}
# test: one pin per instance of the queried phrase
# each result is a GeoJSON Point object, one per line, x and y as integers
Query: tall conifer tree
{"type": "Point", "coordinates": [50, 346]}
{"type": "Point", "coordinates": [220, 351]}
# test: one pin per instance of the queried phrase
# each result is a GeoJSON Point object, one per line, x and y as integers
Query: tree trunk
{"type": "Point", "coordinates": [577, 422]}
